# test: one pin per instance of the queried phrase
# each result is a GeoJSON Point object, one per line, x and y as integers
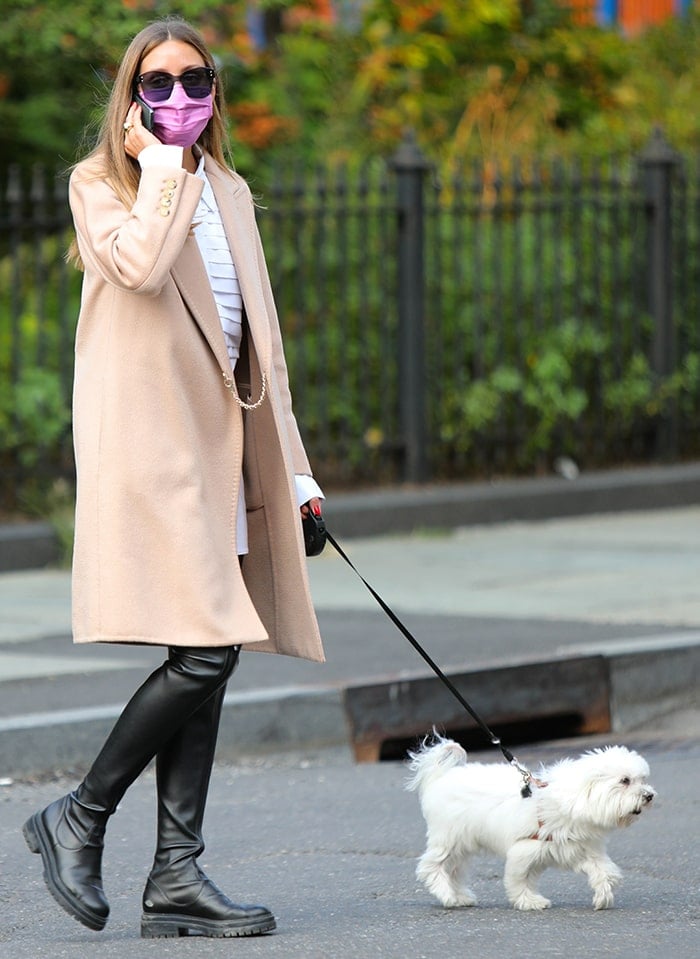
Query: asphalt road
{"type": "Point", "coordinates": [330, 846]}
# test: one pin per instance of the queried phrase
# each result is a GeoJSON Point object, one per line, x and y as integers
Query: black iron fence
{"type": "Point", "coordinates": [482, 321]}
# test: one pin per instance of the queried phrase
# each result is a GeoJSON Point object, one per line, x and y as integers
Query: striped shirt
{"type": "Point", "coordinates": [213, 245]}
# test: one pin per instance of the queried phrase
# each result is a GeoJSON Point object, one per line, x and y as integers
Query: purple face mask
{"type": "Point", "coordinates": [181, 120]}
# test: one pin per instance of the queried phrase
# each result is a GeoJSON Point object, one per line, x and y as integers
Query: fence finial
{"type": "Point", "coordinates": [658, 150]}
{"type": "Point", "coordinates": [408, 155]}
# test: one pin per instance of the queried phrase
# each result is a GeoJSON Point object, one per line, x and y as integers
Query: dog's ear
{"type": "Point", "coordinates": [575, 784]}
{"type": "Point", "coordinates": [582, 800]}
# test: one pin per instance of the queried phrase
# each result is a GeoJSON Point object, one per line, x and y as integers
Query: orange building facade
{"type": "Point", "coordinates": [630, 16]}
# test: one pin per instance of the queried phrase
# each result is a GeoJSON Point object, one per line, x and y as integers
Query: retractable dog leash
{"type": "Point", "coordinates": [315, 534]}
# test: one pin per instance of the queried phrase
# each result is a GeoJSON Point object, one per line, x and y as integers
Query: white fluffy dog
{"type": "Point", "coordinates": [472, 807]}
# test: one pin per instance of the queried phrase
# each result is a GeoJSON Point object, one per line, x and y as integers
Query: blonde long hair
{"type": "Point", "coordinates": [111, 162]}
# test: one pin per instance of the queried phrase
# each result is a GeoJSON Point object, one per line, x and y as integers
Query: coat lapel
{"type": "Point", "coordinates": [190, 276]}
{"type": "Point", "coordinates": [238, 217]}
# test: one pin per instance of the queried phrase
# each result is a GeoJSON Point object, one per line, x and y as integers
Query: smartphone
{"type": "Point", "coordinates": [146, 112]}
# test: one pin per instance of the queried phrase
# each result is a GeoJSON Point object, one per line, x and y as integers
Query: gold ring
{"type": "Point", "coordinates": [127, 126]}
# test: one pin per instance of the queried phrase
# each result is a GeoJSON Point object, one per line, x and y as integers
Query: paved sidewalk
{"type": "Point", "coordinates": [629, 567]}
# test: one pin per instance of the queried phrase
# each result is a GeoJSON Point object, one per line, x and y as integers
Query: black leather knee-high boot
{"type": "Point", "coordinates": [69, 836]}
{"type": "Point", "coordinates": [179, 897]}
{"type": "Point", "coordinates": [69, 833]}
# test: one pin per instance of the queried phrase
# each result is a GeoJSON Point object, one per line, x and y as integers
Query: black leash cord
{"type": "Point", "coordinates": [493, 739]}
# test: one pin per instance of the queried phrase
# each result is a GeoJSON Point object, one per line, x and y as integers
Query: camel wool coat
{"type": "Point", "coordinates": [160, 442]}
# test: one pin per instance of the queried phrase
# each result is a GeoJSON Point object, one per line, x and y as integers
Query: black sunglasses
{"type": "Point", "coordinates": [158, 85]}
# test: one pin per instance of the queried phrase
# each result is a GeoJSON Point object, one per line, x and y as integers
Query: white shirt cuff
{"type": "Point", "coordinates": [160, 154]}
{"type": "Point", "coordinates": [307, 488]}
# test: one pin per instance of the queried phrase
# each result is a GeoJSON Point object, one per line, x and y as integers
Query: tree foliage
{"type": "Point", "coordinates": [56, 62]}
{"type": "Point", "coordinates": [473, 78]}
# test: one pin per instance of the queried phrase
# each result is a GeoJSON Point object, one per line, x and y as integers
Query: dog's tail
{"type": "Point", "coordinates": [432, 759]}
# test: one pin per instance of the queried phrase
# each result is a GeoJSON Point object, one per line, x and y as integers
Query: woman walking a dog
{"type": "Point", "coordinates": [191, 474]}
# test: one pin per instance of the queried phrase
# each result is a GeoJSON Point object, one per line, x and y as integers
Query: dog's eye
{"type": "Point", "coordinates": [625, 780]}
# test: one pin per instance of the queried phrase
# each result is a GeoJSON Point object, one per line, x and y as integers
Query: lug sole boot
{"type": "Point", "coordinates": [69, 835]}
{"type": "Point", "coordinates": [185, 901]}
{"type": "Point", "coordinates": [179, 898]}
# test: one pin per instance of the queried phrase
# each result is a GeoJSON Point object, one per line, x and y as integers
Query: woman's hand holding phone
{"type": "Point", "coordinates": [136, 136]}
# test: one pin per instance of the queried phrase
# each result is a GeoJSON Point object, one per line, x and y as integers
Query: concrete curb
{"type": "Point", "coordinates": [637, 681]}
{"type": "Point", "coordinates": [610, 687]}
{"type": "Point", "coordinates": [272, 720]}
{"type": "Point", "coordinates": [404, 509]}
{"type": "Point", "coordinates": [27, 546]}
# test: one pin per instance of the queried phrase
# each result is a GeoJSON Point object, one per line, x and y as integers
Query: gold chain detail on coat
{"type": "Point", "coordinates": [230, 384]}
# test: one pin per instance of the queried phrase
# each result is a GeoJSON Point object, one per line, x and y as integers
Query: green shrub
{"type": "Point", "coordinates": [34, 416]}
